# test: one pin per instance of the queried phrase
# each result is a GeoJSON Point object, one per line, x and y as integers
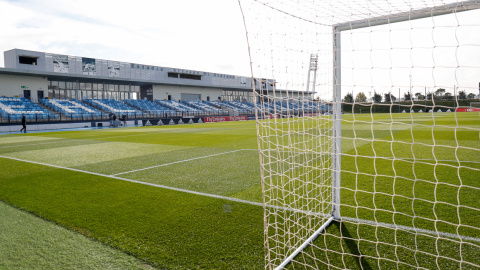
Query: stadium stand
{"type": "Point", "coordinates": [112, 106]}
{"type": "Point", "coordinates": [243, 105]}
{"type": "Point", "coordinates": [177, 106]}
{"type": "Point", "coordinates": [235, 106]}
{"type": "Point", "coordinates": [203, 106]}
{"type": "Point", "coordinates": [14, 108]}
{"type": "Point", "coordinates": [153, 108]}
{"type": "Point", "coordinates": [73, 108]}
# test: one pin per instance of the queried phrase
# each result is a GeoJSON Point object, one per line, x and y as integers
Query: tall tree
{"type": "Point", "coordinates": [462, 94]}
{"type": "Point", "coordinates": [377, 98]}
{"type": "Point", "coordinates": [471, 96]}
{"type": "Point", "coordinates": [361, 97]}
{"type": "Point", "coordinates": [388, 97]}
{"type": "Point", "coordinates": [348, 98]}
{"type": "Point", "coordinates": [439, 92]}
{"type": "Point", "coordinates": [407, 96]}
{"type": "Point", "coordinates": [419, 96]}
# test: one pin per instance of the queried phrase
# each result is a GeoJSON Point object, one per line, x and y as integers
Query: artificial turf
{"type": "Point", "coordinates": [165, 228]}
{"type": "Point", "coordinates": [170, 229]}
{"type": "Point", "coordinates": [409, 193]}
{"type": "Point", "coordinates": [29, 242]}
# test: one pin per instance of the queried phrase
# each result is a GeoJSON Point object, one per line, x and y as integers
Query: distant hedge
{"type": "Point", "coordinates": [395, 107]}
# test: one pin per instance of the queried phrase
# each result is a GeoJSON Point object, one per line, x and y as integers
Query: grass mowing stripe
{"type": "Point", "coordinates": [34, 144]}
{"type": "Point", "coordinates": [165, 228]}
{"type": "Point", "coordinates": [411, 229]}
{"type": "Point", "coordinates": [388, 225]}
{"type": "Point", "coordinates": [140, 182]}
{"type": "Point", "coordinates": [180, 161]}
{"type": "Point", "coordinates": [30, 242]}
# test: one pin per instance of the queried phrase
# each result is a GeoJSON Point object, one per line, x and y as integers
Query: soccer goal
{"type": "Point", "coordinates": [350, 182]}
{"type": "Point", "coordinates": [475, 105]}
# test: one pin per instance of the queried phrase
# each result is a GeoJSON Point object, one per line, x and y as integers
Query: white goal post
{"type": "Point", "coordinates": [474, 104]}
{"type": "Point", "coordinates": [355, 183]}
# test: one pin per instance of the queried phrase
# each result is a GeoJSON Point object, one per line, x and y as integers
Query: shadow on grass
{"type": "Point", "coordinates": [334, 248]}
{"type": "Point", "coordinates": [352, 245]}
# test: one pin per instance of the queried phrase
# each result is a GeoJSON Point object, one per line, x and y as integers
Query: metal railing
{"type": "Point", "coordinates": [79, 117]}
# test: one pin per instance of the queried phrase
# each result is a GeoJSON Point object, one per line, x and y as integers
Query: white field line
{"type": "Point", "coordinates": [33, 144]}
{"type": "Point", "coordinates": [411, 229]}
{"type": "Point", "coordinates": [102, 139]}
{"type": "Point", "coordinates": [268, 150]}
{"type": "Point", "coordinates": [60, 140]}
{"type": "Point", "coordinates": [138, 182]}
{"type": "Point", "coordinates": [368, 222]}
{"type": "Point", "coordinates": [180, 161]}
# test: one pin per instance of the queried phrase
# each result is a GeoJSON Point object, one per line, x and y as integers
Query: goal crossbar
{"type": "Point", "coordinates": [409, 15]}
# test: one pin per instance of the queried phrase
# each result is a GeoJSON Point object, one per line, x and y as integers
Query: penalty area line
{"type": "Point", "coordinates": [180, 161]}
{"type": "Point", "coordinates": [139, 182]}
{"type": "Point", "coordinates": [282, 208]}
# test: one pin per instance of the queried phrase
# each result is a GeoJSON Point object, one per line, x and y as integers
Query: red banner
{"type": "Point", "coordinates": [468, 110]}
{"type": "Point", "coordinates": [223, 118]}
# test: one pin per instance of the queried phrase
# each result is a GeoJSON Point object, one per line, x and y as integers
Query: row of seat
{"type": "Point", "coordinates": [149, 107]}
{"type": "Point", "coordinates": [113, 106]}
{"type": "Point", "coordinates": [71, 108]}
{"type": "Point", "coordinates": [204, 106]}
{"type": "Point", "coordinates": [16, 107]}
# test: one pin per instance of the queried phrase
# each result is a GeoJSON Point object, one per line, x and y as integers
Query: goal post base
{"type": "Point", "coordinates": [307, 243]}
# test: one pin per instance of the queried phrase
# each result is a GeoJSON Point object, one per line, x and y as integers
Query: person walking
{"type": "Point", "coordinates": [24, 124]}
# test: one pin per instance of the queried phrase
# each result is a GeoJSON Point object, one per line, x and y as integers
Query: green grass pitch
{"type": "Point", "coordinates": [76, 179]}
{"type": "Point", "coordinates": [409, 193]}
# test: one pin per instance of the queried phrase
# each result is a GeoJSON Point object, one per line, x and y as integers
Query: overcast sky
{"type": "Point", "coordinates": [199, 35]}
{"type": "Point", "coordinates": [210, 36]}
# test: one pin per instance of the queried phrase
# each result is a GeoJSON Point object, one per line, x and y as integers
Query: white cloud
{"type": "Point", "coordinates": [201, 35]}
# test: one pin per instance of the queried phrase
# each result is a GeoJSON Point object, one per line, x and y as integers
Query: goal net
{"type": "Point", "coordinates": [358, 170]}
{"type": "Point", "coordinates": [475, 105]}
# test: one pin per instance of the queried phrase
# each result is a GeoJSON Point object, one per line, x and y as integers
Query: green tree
{"type": "Point", "coordinates": [439, 92]}
{"type": "Point", "coordinates": [348, 98]}
{"type": "Point", "coordinates": [407, 96]}
{"type": "Point", "coordinates": [361, 97]}
{"type": "Point", "coordinates": [462, 94]}
{"type": "Point", "coordinates": [388, 97]}
{"type": "Point", "coordinates": [419, 96]}
{"type": "Point", "coordinates": [377, 98]}
{"type": "Point", "coordinates": [471, 96]}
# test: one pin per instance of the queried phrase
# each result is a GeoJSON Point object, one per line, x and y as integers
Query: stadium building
{"type": "Point", "coordinates": [50, 88]}
{"type": "Point", "coordinates": [36, 75]}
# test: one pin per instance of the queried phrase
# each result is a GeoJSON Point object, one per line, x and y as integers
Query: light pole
{"type": "Point", "coordinates": [399, 107]}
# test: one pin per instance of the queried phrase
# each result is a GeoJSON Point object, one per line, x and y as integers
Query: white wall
{"type": "Point", "coordinates": [35, 127]}
{"type": "Point", "coordinates": [160, 92]}
{"type": "Point", "coordinates": [11, 85]}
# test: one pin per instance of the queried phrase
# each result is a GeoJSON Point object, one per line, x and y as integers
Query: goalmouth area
{"type": "Point", "coordinates": [368, 190]}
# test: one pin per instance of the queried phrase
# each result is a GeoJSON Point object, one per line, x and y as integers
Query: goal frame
{"type": "Point", "coordinates": [475, 102]}
{"type": "Point", "coordinates": [337, 30]}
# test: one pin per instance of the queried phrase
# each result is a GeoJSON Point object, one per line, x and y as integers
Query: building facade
{"type": "Point", "coordinates": [35, 75]}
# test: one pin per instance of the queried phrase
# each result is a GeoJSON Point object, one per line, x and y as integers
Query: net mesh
{"type": "Point", "coordinates": [410, 164]}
